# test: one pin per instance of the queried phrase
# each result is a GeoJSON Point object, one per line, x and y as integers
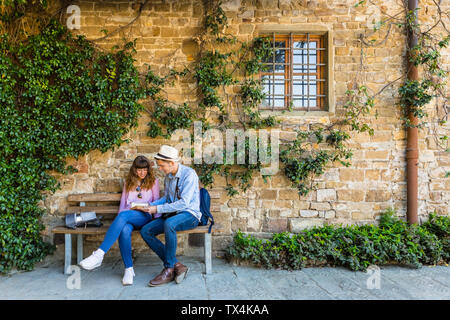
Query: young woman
{"type": "Point", "coordinates": [140, 186]}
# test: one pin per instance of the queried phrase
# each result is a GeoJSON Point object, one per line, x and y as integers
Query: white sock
{"type": "Point", "coordinates": [99, 253]}
{"type": "Point", "coordinates": [130, 269]}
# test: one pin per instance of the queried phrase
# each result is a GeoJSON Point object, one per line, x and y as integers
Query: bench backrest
{"type": "Point", "coordinates": [105, 204]}
{"type": "Point", "coordinates": [108, 203]}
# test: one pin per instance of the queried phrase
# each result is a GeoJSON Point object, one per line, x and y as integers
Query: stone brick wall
{"type": "Point", "coordinates": [358, 194]}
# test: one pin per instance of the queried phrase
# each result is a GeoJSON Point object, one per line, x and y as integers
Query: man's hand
{"type": "Point", "coordinates": [150, 209]}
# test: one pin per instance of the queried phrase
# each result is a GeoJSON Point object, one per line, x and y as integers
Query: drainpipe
{"type": "Point", "coordinates": [412, 150]}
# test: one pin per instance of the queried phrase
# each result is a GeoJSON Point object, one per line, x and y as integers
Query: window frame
{"type": "Point", "coordinates": [323, 31]}
{"type": "Point", "coordinates": [290, 71]}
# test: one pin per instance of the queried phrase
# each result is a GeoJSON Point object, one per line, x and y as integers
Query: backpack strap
{"type": "Point", "coordinates": [177, 190]}
{"type": "Point", "coordinates": [206, 208]}
{"type": "Point", "coordinates": [210, 226]}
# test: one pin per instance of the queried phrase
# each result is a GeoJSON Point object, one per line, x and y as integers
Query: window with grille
{"type": "Point", "coordinates": [295, 73]}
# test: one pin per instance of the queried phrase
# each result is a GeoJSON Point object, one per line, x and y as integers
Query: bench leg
{"type": "Point", "coordinates": [79, 248]}
{"type": "Point", "coordinates": [67, 252]}
{"type": "Point", "coordinates": [207, 248]}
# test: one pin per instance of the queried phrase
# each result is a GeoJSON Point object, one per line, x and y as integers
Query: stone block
{"type": "Point", "coordinates": [244, 213]}
{"type": "Point", "coordinates": [298, 224]}
{"type": "Point", "coordinates": [288, 194]}
{"type": "Point", "coordinates": [108, 185]}
{"type": "Point", "coordinates": [80, 164]}
{"type": "Point", "coordinates": [267, 204]}
{"type": "Point", "coordinates": [147, 148]}
{"type": "Point", "coordinates": [349, 174]}
{"type": "Point", "coordinates": [309, 213]}
{"type": "Point", "coordinates": [320, 206]}
{"type": "Point", "coordinates": [362, 215]}
{"type": "Point", "coordinates": [350, 195]}
{"type": "Point", "coordinates": [237, 203]}
{"type": "Point", "coordinates": [377, 154]}
{"type": "Point", "coordinates": [161, 7]}
{"type": "Point", "coordinates": [372, 174]}
{"type": "Point", "coordinates": [378, 195]}
{"type": "Point", "coordinates": [275, 225]}
{"type": "Point", "coordinates": [246, 28]}
{"type": "Point", "coordinates": [84, 185]}
{"type": "Point", "coordinates": [231, 5]}
{"type": "Point", "coordinates": [288, 135]}
{"type": "Point", "coordinates": [268, 194]}
{"type": "Point", "coordinates": [283, 203]}
{"type": "Point", "coordinates": [254, 224]}
{"type": "Point", "coordinates": [426, 156]}
{"type": "Point", "coordinates": [326, 195]}
{"type": "Point", "coordinates": [301, 204]}
{"type": "Point", "coordinates": [280, 180]}
{"type": "Point", "coordinates": [239, 224]}
{"type": "Point", "coordinates": [330, 214]}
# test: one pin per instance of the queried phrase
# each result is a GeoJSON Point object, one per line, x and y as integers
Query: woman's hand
{"type": "Point", "coordinates": [150, 209]}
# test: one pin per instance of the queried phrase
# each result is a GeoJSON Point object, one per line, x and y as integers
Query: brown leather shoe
{"type": "Point", "coordinates": [167, 275]}
{"type": "Point", "coordinates": [180, 272]}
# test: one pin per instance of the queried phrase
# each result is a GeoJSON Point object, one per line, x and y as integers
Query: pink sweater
{"type": "Point", "coordinates": [148, 196]}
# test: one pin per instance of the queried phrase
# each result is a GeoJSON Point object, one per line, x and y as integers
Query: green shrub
{"type": "Point", "coordinates": [440, 226]}
{"type": "Point", "coordinates": [354, 247]}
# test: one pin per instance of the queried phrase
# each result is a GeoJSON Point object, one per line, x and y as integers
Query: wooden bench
{"type": "Point", "coordinates": [107, 205]}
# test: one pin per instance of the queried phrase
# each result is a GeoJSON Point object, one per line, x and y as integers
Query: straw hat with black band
{"type": "Point", "coordinates": [167, 153]}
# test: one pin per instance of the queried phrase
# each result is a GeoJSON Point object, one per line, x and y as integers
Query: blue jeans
{"type": "Point", "coordinates": [182, 221]}
{"type": "Point", "coordinates": [122, 227]}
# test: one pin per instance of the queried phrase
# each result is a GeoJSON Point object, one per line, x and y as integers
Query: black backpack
{"type": "Point", "coordinates": [205, 205]}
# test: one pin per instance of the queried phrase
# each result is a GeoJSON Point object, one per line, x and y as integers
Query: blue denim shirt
{"type": "Point", "coordinates": [189, 193]}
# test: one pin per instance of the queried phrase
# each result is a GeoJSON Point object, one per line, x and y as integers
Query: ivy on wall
{"type": "Point", "coordinates": [225, 64]}
{"type": "Point", "coordinates": [59, 98]}
{"type": "Point", "coordinates": [217, 68]}
{"type": "Point", "coordinates": [415, 96]}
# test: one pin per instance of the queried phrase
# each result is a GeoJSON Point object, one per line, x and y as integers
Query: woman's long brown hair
{"type": "Point", "coordinates": [133, 179]}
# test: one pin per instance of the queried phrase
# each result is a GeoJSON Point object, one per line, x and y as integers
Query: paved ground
{"type": "Point", "coordinates": [228, 282]}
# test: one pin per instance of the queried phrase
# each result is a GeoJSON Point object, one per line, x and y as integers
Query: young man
{"type": "Point", "coordinates": [181, 199]}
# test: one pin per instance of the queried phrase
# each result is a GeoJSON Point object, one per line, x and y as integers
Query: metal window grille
{"type": "Point", "coordinates": [295, 75]}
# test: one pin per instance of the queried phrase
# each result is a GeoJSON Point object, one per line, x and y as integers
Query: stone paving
{"type": "Point", "coordinates": [228, 282]}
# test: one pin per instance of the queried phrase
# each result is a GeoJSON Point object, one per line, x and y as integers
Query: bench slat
{"type": "Point", "coordinates": [98, 210]}
{"type": "Point", "coordinates": [103, 229]}
{"type": "Point", "coordinates": [92, 197]}
{"type": "Point", "coordinates": [89, 231]}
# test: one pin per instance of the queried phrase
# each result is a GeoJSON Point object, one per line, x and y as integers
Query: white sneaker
{"type": "Point", "coordinates": [92, 262]}
{"type": "Point", "coordinates": [128, 277]}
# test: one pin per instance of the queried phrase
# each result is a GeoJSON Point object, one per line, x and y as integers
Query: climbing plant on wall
{"type": "Point", "coordinates": [227, 77]}
{"type": "Point", "coordinates": [415, 96]}
{"type": "Point", "coordinates": [320, 146]}
{"type": "Point", "coordinates": [60, 97]}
